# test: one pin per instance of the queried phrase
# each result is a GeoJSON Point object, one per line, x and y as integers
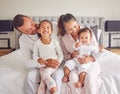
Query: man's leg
{"type": "Point", "coordinates": [32, 81]}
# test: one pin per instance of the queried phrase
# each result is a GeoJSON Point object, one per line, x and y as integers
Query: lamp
{"type": "Point", "coordinates": [112, 25]}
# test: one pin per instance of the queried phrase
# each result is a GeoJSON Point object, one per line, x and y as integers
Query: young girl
{"type": "Point", "coordinates": [85, 48]}
{"type": "Point", "coordinates": [47, 50]}
{"type": "Point", "coordinates": [68, 32]}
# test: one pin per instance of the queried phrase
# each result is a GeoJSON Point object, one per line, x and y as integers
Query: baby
{"type": "Point", "coordinates": [85, 49]}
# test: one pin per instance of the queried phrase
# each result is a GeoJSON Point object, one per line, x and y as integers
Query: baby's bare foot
{"type": "Point", "coordinates": [65, 79]}
{"type": "Point", "coordinates": [79, 84]}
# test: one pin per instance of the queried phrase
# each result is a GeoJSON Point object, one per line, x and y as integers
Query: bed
{"type": "Point", "coordinates": [13, 68]}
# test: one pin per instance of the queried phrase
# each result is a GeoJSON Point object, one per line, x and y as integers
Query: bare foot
{"type": "Point", "coordinates": [53, 90]}
{"type": "Point", "coordinates": [65, 79]}
{"type": "Point", "coordinates": [79, 84]}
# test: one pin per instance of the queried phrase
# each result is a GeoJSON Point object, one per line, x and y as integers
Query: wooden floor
{"type": "Point", "coordinates": [114, 50]}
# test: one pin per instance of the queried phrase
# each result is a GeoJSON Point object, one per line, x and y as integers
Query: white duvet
{"type": "Point", "coordinates": [13, 72]}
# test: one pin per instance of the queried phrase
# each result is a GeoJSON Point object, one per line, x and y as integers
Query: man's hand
{"type": "Point", "coordinates": [42, 61]}
{"type": "Point", "coordinates": [53, 63]}
{"type": "Point", "coordinates": [86, 59]}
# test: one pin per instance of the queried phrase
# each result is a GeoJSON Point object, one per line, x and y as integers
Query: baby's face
{"type": "Point", "coordinates": [85, 38]}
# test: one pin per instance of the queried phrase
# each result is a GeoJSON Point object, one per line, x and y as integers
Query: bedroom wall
{"type": "Point", "coordinates": [103, 8]}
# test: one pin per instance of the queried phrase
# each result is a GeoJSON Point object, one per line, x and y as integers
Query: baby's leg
{"type": "Point", "coordinates": [81, 80]}
{"type": "Point", "coordinates": [66, 74]}
{"type": "Point", "coordinates": [69, 65]}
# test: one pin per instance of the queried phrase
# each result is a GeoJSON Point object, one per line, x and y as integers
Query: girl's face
{"type": "Point", "coordinates": [85, 38]}
{"type": "Point", "coordinates": [45, 29]}
{"type": "Point", "coordinates": [72, 27]}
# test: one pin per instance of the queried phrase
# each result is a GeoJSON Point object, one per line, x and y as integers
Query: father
{"type": "Point", "coordinates": [29, 28]}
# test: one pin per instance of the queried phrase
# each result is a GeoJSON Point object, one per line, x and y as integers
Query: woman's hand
{"type": "Point", "coordinates": [86, 59]}
{"type": "Point", "coordinates": [53, 63]}
{"type": "Point", "coordinates": [74, 54]}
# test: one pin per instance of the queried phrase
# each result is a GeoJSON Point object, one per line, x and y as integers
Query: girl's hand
{"type": "Point", "coordinates": [86, 59]}
{"type": "Point", "coordinates": [74, 54]}
{"type": "Point", "coordinates": [42, 61]}
{"type": "Point", "coordinates": [53, 63]}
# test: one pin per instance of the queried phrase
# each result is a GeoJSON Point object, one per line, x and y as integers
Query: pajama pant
{"type": "Point", "coordinates": [46, 79]}
{"type": "Point", "coordinates": [32, 80]}
{"type": "Point", "coordinates": [74, 64]}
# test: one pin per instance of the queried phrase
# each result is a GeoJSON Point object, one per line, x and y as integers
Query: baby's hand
{"type": "Point", "coordinates": [77, 44]}
{"type": "Point", "coordinates": [101, 47]}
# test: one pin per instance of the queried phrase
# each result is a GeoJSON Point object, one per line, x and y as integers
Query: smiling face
{"type": "Point", "coordinates": [72, 27]}
{"type": "Point", "coordinates": [28, 27]}
{"type": "Point", "coordinates": [45, 29]}
{"type": "Point", "coordinates": [85, 38]}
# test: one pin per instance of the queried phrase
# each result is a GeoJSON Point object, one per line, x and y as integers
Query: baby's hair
{"type": "Point", "coordinates": [85, 30]}
{"type": "Point", "coordinates": [45, 21]}
{"type": "Point", "coordinates": [63, 19]}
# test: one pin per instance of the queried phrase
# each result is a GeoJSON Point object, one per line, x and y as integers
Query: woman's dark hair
{"type": "Point", "coordinates": [45, 21]}
{"type": "Point", "coordinates": [63, 19]}
{"type": "Point", "coordinates": [85, 30]}
{"type": "Point", "coordinates": [18, 20]}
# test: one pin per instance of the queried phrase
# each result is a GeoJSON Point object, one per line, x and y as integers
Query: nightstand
{"type": "Point", "coordinates": [6, 51]}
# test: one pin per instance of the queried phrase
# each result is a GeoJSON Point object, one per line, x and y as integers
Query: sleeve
{"type": "Point", "coordinates": [25, 47]}
{"type": "Point", "coordinates": [95, 53]}
{"type": "Point", "coordinates": [75, 48]}
{"type": "Point", "coordinates": [59, 52]}
{"type": "Point", "coordinates": [64, 49]}
{"type": "Point", "coordinates": [36, 52]}
{"type": "Point", "coordinates": [26, 52]}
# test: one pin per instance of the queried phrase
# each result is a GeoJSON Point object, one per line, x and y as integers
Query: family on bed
{"type": "Point", "coordinates": [68, 65]}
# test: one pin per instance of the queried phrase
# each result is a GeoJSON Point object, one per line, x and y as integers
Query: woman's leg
{"type": "Point", "coordinates": [91, 80]}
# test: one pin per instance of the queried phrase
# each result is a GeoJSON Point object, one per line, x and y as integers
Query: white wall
{"type": "Point", "coordinates": [105, 8]}
{"type": "Point", "coordinates": [109, 9]}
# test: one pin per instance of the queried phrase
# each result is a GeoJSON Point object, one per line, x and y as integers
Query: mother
{"type": "Point", "coordinates": [68, 29]}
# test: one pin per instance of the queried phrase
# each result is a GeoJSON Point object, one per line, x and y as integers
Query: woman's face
{"type": "Point", "coordinates": [29, 27]}
{"type": "Point", "coordinates": [72, 27]}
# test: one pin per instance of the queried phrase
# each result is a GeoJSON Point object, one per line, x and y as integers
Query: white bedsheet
{"type": "Point", "coordinates": [13, 71]}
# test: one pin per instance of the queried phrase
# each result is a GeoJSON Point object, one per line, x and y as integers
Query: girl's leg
{"type": "Point", "coordinates": [41, 88]}
{"type": "Point", "coordinates": [49, 80]}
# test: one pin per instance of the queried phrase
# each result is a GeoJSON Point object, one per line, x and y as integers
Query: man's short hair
{"type": "Point", "coordinates": [18, 20]}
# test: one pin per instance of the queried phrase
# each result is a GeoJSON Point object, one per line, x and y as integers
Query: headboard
{"type": "Point", "coordinates": [83, 21]}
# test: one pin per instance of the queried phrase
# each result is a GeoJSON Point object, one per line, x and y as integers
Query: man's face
{"type": "Point", "coordinates": [29, 27]}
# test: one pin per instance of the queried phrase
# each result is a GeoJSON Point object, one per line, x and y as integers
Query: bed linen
{"type": "Point", "coordinates": [13, 72]}
{"type": "Point", "coordinates": [13, 67]}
